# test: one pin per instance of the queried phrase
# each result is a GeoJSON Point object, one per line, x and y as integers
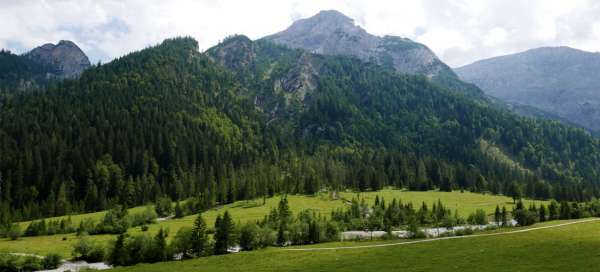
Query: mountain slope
{"type": "Point", "coordinates": [249, 119]}
{"type": "Point", "coordinates": [559, 80]}
{"type": "Point", "coordinates": [333, 33]}
{"type": "Point", "coordinates": [36, 68]}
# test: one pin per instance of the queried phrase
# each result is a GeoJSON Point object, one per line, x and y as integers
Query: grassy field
{"type": "Point", "coordinates": [243, 211]}
{"type": "Point", "coordinates": [465, 203]}
{"type": "Point", "coordinates": [567, 248]}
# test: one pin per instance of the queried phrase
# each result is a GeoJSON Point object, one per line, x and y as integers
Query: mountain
{"type": "Point", "coordinates": [247, 119]}
{"type": "Point", "coordinates": [66, 57]}
{"type": "Point", "coordinates": [559, 80]}
{"type": "Point", "coordinates": [330, 32]}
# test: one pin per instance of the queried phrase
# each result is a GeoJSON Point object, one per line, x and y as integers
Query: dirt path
{"type": "Point", "coordinates": [444, 238]}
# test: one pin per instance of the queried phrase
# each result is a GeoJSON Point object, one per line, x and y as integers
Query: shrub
{"type": "Point", "coordinates": [86, 226]}
{"type": "Point", "coordinates": [148, 216]}
{"type": "Point", "coordinates": [182, 242]}
{"type": "Point", "coordinates": [115, 221]}
{"type": "Point", "coordinates": [52, 261]}
{"type": "Point", "coordinates": [14, 232]}
{"type": "Point", "coordinates": [163, 207]}
{"type": "Point", "coordinates": [87, 250]}
{"type": "Point", "coordinates": [478, 218]}
{"type": "Point", "coordinates": [249, 237]}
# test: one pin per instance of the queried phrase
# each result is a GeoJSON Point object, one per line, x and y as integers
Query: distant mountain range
{"type": "Point", "coordinates": [562, 81]}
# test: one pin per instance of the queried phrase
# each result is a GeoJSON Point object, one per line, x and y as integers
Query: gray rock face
{"type": "Point", "coordinates": [68, 59]}
{"type": "Point", "coordinates": [560, 80]}
{"type": "Point", "coordinates": [332, 33]}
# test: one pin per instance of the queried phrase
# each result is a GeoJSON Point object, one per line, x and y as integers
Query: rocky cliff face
{"type": "Point", "coordinates": [66, 57]}
{"type": "Point", "coordinates": [559, 80]}
{"type": "Point", "coordinates": [332, 33]}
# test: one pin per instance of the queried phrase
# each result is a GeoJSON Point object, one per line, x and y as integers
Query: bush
{"type": "Point", "coordinates": [86, 226]}
{"type": "Point", "coordinates": [115, 221]}
{"type": "Point", "coordinates": [52, 261]}
{"type": "Point", "coordinates": [332, 231]}
{"type": "Point", "coordinates": [478, 218]}
{"type": "Point", "coordinates": [163, 207]}
{"type": "Point", "coordinates": [10, 262]}
{"type": "Point", "coordinates": [249, 237]}
{"type": "Point", "coordinates": [14, 232]}
{"type": "Point", "coordinates": [88, 250]}
{"type": "Point", "coordinates": [148, 216]}
{"type": "Point", "coordinates": [182, 242]}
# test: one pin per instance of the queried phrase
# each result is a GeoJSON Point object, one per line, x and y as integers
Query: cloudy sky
{"type": "Point", "coordinates": [459, 31]}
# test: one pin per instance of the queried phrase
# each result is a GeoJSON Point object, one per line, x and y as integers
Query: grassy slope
{"type": "Point", "coordinates": [254, 210]}
{"type": "Point", "coordinates": [465, 203]}
{"type": "Point", "coordinates": [569, 248]}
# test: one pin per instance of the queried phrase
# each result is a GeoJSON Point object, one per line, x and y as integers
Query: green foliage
{"type": "Point", "coordinates": [51, 261]}
{"type": "Point", "coordinates": [199, 238]}
{"type": "Point", "coordinates": [87, 250]}
{"type": "Point", "coordinates": [478, 218]}
{"type": "Point", "coordinates": [225, 236]}
{"type": "Point", "coordinates": [163, 206]}
{"type": "Point", "coordinates": [14, 232]}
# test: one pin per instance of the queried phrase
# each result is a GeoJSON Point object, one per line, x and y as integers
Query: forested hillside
{"type": "Point", "coordinates": [250, 119]}
{"type": "Point", "coordinates": [18, 72]}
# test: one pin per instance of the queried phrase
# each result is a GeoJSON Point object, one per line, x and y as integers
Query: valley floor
{"type": "Point", "coordinates": [553, 246]}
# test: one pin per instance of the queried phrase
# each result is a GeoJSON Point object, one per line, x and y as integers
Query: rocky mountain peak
{"type": "Point", "coordinates": [66, 57]}
{"type": "Point", "coordinates": [330, 32]}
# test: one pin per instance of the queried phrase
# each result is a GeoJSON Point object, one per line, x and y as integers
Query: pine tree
{"type": "Point", "coordinates": [542, 213]}
{"type": "Point", "coordinates": [224, 234]}
{"type": "Point", "coordinates": [118, 254]}
{"type": "Point", "coordinates": [497, 215]}
{"type": "Point", "coordinates": [160, 240]}
{"type": "Point", "coordinates": [552, 211]}
{"type": "Point", "coordinates": [62, 205]}
{"type": "Point", "coordinates": [199, 237]}
{"type": "Point", "coordinates": [504, 216]}
{"type": "Point", "coordinates": [178, 211]}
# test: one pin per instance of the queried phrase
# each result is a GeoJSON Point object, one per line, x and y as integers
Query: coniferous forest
{"type": "Point", "coordinates": [250, 119]}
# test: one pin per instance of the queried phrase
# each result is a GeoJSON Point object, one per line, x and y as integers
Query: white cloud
{"type": "Point", "coordinates": [495, 36]}
{"type": "Point", "coordinates": [459, 31]}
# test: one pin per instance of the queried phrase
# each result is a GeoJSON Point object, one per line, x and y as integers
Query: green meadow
{"type": "Point", "coordinates": [566, 248]}
{"type": "Point", "coordinates": [251, 210]}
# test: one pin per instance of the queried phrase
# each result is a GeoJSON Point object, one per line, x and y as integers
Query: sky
{"type": "Point", "coordinates": [458, 31]}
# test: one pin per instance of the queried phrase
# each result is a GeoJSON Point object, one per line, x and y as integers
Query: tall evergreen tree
{"type": "Point", "coordinates": [224, 234]}
{"type": "Point", "coordinates": [199, 237]}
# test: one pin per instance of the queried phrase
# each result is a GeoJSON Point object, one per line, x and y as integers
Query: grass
{"type": "Point", "coordinates": [463, 202]}
{"type": "Point", "coordinates": [568, 248]}
{"type": "Point", "coordinates": [243, 211]}
{"type": "Point", "coordinates": [76, 218]}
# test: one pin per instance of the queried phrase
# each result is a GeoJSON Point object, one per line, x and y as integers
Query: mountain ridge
{"type": "Point", "coordinates": [558, 80]}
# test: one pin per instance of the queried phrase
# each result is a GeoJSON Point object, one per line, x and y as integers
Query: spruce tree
{"type": "Point", "coordinates": [199, 237]}
{"type": "Point", "coordinates": [118, 255]}
{"type": "Point", "coordinates": [178, 211]}
{"type": "Point", "coordinates": [504, 216]}
{"type": "Point", "coordinates": [552, 211]}
{"type": "Point", "coordinates": [497, 215]}
{"type": "Point", "coordinates": [224, 234]}
{"type": "Point", "coordinates": [160, 240]}
{"type": "Point", "coordinates": [542, 213]}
